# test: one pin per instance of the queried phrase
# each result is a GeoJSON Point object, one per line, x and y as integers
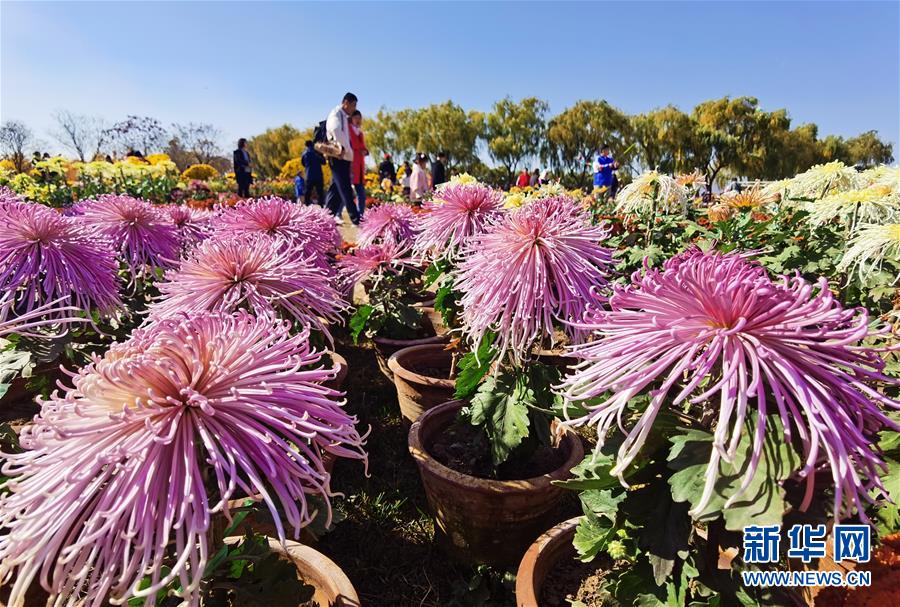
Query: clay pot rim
{"type": "Point", "coordinates": [310, 558]}
{"type": "Point", "coordinates": [485, 485]}
{"type": "Point", "coordinates": [563, 532]}
{"type": "Point", "coordinates": [396, 366]}
{"type": "Point", "coordinates": [403, 343]}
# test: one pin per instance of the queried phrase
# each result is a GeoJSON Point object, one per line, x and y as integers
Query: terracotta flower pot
{"type": "Point", "coordinates": [432, 318]}
{"type": "Point", "coordinates": [416, 392]}
{"type": "Point", "coordinates": [333, 587]}
{"type": "Point", "coordinates": [483, 520]}
{"type": "Point", "coordinates": [541, 558]}
{"type": "Point", "coordinates": [385, 348]}
{"type": "Point", "coordinates": [340, 363]}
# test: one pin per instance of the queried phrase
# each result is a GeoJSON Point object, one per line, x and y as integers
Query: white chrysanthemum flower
{"type": "Point", "coordinates": [870, 246]}
{"type": "Point", "coordinates": [652, 191]}
{"type": "Point", "coordinates": [875, 204]}
{"type": "Point", "coordinates": [822, 180]}
{"type": "Point", "coordinates": [882, 175]}
{"type": "Point", "coordinates": [460, 179]}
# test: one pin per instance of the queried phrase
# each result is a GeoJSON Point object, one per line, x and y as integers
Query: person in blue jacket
{"type": "Point", "coordinates": [299, 186]}
{"type": "Point", "coordinates": [604, 166]}
{"type": "Point", "coordinates": [312, 161]}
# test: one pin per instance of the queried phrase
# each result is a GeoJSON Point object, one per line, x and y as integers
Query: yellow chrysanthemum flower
{"type": "Point", "coordinates": [822, 180]}
{"type": "Point", "coordinates": [875, 204]}
{"type": "Point", "coordinates": [514, 200]}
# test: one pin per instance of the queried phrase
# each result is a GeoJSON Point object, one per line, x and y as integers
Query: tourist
{"type": "Point", "coordinates": [544, 178]}
{"type": "Point", "coordinates": [439, 170]}
{"type": "Point", "coordinates": [243, 173]}
{"type": "Point", "coordinates": [337, 133]}
{"type": "Point", "coordinates": [535, 179]}
{"type": "Point", "coordinates": [312, 162]}
{"type": "Point", "coordinates": [299, 186]}
{"type": "Point", "coordinates": [604, 166]}
{"type": "Point", "coordinates": [386, 169]}
{"type": "Point", "coordinates": [524, 179]}
{"type": "Point", "coordinates": [404, 181]}
{"type": "Point", "coordinates": [734, 186]}
{"type": "Point", "coordinates": [358, 168]}
{"type": "Point", "coordinates": [418, 181]}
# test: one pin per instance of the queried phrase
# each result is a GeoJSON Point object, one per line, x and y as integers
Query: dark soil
{"type": "Point", "coordinates": [465, 448]}
{"type": "Point", "coordinates": [571, 580]}
{"type": "Point", "coordinates": [431, 371]}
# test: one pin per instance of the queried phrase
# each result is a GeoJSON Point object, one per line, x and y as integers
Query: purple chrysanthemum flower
{"type": "Point", "coordinates": [123, 472]}
{"type": "Point", "coordinates": [457, 212]}
{"type": "Point", "coordinates": [192, 224]}
{"type": "Point", "coordinates": [386, 223]}
{"type": "Point", "coordinates": [45, 256]}
{"type": "Point", "coordinates": [52, 314]}
{"type": "Point", "coordinates": [365, 262]}
{"type": "Point", "coordinates": [253, 271]}
{"type": "Point", "coordinates": [712, 325]}
{"type": "Point", "coordinates": [306, 228]}
{"type": "Point", "coordinates": [541, 263]}
{"type": "Point", "coordinates": [140, 232]}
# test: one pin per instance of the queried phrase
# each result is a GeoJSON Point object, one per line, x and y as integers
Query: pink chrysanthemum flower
{"type": "Point", "coordinates": [192, 224]}
{"type": "Point", "coordinates": [52, 314]}
{"type": "Point", "coordinates": [541, 263]}
{"type": "Point", "coordinates": [309, 229]}
{"type": "Point", "coordinates": [388, 223]}
{"type": "Point", "coordinates": [7, 196]}
{"type": "Point", "coordinates": [710, 325]}
{"type": "Point", "coordinates": [123, 472]}
{"type": "Point", "coordinates": [365, 262]}
{"type": "Point", "coordinates": [142, 234]}
{"type": "Point", "coordinates": [457, 212]}
{"type": "Point", "coordinates": [45, 256]}
{"type": "Point", "coordinates": [252, 271]}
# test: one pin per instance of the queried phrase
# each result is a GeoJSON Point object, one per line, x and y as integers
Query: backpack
{"type": "Point", "coordinates": [319, 134]}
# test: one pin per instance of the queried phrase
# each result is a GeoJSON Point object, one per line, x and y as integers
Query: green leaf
{"type": "Point", "coordinates": [591, 474]}
{"type": "Point", "coordinates": [762, 503]}
{"type": "Point", "coordinates": [358, 321]}
{"type": "Point", "coordinates": [473, 366]}
{"type": "Point", "coordinates": [592, 535]}
{"type": "Point", "coordinates": [889, 514]}
{"type": "Point", "coordinates": [501, 407]}
{"type": "Point", "coordinates": [602, 502]}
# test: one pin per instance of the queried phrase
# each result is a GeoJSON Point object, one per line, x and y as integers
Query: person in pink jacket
{"type": "Point", "coordinates": [418, 181]}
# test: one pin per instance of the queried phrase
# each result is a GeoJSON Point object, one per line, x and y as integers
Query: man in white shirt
{"type": "Point", "coordinates": [337, 129]}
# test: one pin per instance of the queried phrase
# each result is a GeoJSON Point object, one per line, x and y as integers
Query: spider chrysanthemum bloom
{"type": "Point", "coordinates": [365, 262]}
{"type": "Point", "coordinates": [874, 204]}
{"type": "Point", "coordinates": [45, 256]}
{"type": "Point", "coordinates": [192, 224]}
{"type": "Point", "coordinates": [870, 246]}
{"type": "Point", "coordinates": [122, 473]}
{"type": "Point", "coordinates": [253, 271]}
{"type": "Point", "coordinates": [457, 212]}
{"type": "Point", "coordinates": [652, 192]}
{"type": "Point", "coordinates": [715, 331]}
{"type": "Point", "coordinates": [306, 228]}
{"type": "Point", "coordinates": [388, 222]}
{"type": "Point", "coordinates": [692, 181]}
{"type": "Point", "coordinates": [538, 264]}
{"type": "Point", "coordinates": [141, 233]}
{"type": "Point", "coordinates": [52, 315]}
{"type": "Point", "coordinates": [823, 179]}
{"type": "Point", "coordinates": [750, 198]}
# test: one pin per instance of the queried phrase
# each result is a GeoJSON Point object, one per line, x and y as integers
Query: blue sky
{"type": "Point", "coordinates": [245, 66]}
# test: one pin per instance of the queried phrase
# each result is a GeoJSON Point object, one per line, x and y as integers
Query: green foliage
{"type": "Point", "coordinates": [473, 366]}
{"type": "Point", "coordinates": [390, 312]}
{"type": "Point", "coordinates": [515, 131]}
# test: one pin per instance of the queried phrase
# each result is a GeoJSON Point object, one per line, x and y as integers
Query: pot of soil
{"type": "Point", "coordinates": [386, 347]}
{"type": "Point", "coordinates": [550, 575]}
{"type": "Point", "coordinates": [333, 587]}
{"type": "Point", "coordinates": [422, 378]}
{"type": "Point", "coordinates": [487, 520]}
{"type": "Point", "coordinates": [432, 318]}
{"type": "Point", "coordinates": [340, 363]}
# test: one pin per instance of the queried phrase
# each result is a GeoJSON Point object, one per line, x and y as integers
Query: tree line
{"type": "Point", "coordinates": [720, 137]}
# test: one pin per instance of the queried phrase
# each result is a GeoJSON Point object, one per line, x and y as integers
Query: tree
{"type": "Point", "coordinates": [271, 149]}
{"type": "Point", "coordinates": [83, 135]}
{"type": "Point", "coordinates": [575, 135]}
{"type": "Point", "coordinates": [868, 150]}
{"type": "Point", "coordinates": [663, 138]}
{"type": "Point", "coordinates": [392, 133]}
{"type": "Point", "coordinates": [137, 133]}
{"type": "Point", "coordinates": [200, 140]}
{"type": "Point", "coordinates": [515, 131]}
{"type": "Point", "coordinates": [445, 127]}
{"type": "Point", "coordinates": [15, 138]}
